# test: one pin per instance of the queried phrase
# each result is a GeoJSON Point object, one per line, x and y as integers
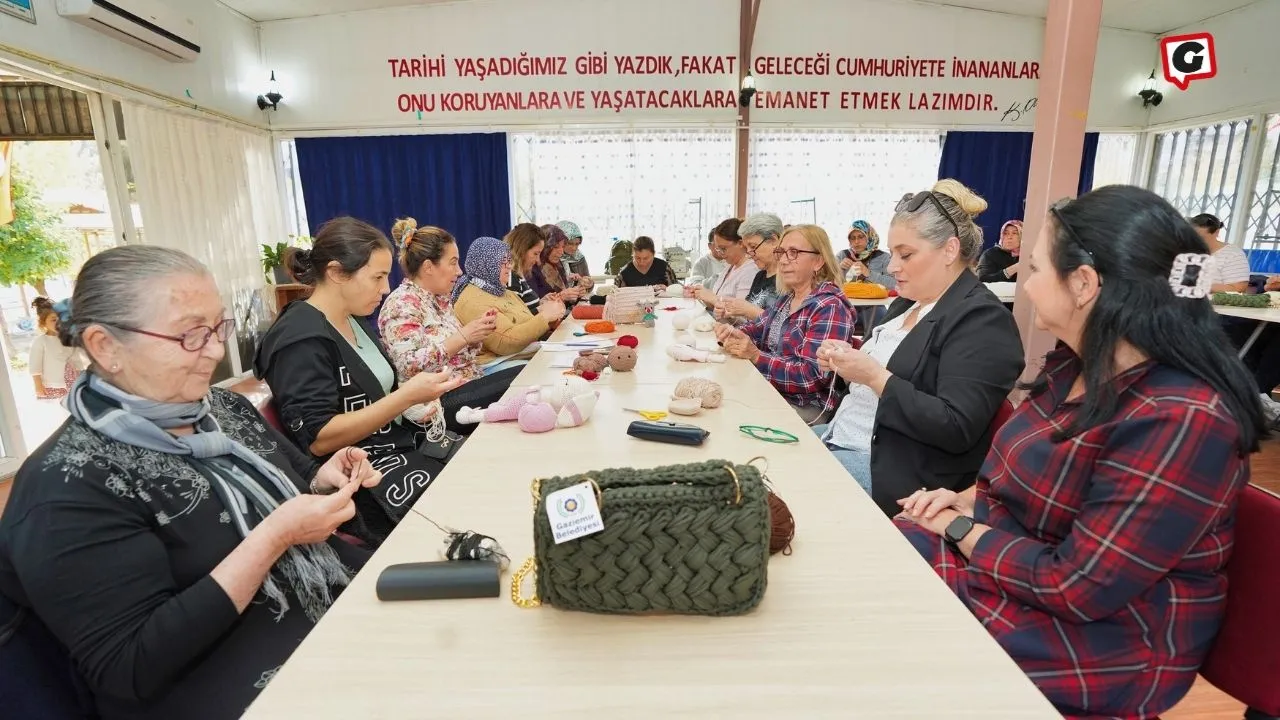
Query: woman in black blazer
{"type": "Point", "coordinates": [932, 375]}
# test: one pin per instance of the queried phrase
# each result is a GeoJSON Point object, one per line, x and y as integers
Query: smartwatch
{"type": "Point", "coordinates": [957, 529]}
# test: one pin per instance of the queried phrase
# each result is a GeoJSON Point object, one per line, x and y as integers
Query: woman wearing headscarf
{"type": "Point", "coordinates": [1000, 263]}
{"type": "Point", "coordinates": [574, 262]}
{"type": "Point", "coordinates": [483, 287]}
{"type": "Point", "coordinates": [176, 546]}
{"type": "Point", "coordinates": [548, 276]}
{"type": "Point", "coordinates": [864, 260]}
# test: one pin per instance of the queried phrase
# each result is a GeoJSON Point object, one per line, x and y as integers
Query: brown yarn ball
{"type": "Point", "coordinates": [590, 363]}
{"type": "Point", "coordinates": [622, 358]}
{"type": "Point", "coordinates": [784, 526]}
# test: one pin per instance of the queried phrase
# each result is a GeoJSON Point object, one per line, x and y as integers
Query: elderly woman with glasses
{"type": "Point", "coordinates": [783, 342]}
{"type": "Point", "coordinates": [929, 379]}
{"type": "Point", "coordinates": [176, 546]}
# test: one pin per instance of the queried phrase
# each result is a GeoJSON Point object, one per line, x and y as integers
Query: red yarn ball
{"type": "Point", "coordinates": [589, 375]}
{"type": "Point", "coordinates": [630, 341]}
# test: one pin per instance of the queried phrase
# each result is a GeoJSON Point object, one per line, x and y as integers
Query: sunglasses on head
{"type": "Point", "coordinates": [1056, 209]}
{"type": "Point", "coordinates": [913, 202]}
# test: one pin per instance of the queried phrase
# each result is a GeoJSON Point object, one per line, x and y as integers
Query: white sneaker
{"type": "Point", "coordinates": [1270, 408]}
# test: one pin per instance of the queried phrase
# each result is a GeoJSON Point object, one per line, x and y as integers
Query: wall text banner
{"type": "Point", "coordinates": [816, 62]}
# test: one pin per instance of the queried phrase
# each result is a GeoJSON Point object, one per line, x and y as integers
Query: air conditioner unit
{"type": "Point", "coordinates": [148, 24]}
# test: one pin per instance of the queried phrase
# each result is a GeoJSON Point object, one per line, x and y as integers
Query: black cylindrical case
{"type": "Point", "coordinates": [443, 580]}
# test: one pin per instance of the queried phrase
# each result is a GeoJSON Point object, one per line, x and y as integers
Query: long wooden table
{"type": "Point", "coordinates": [853, 624]}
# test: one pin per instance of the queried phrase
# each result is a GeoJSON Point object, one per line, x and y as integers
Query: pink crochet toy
{"type": "Point", "coordinates": [563, 404]}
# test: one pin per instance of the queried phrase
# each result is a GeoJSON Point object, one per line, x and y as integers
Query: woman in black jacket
{"type": "Point", "coordinates": [1000, 263]}
{"type": "Point", "coordinates": [332, 381]}
{"type": "Point", "coordinates": [930, 378]}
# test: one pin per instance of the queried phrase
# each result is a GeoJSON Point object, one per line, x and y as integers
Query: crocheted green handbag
{"type": "Point", "coordinates": [682, 539]}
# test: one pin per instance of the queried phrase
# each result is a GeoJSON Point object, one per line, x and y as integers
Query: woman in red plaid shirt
{"type": "Point", "coordinates": [783, 342]}
{"type": "Point", "coordinates": [1093, 545]}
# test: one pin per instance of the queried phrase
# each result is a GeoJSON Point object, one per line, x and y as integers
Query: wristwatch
{"type": "Point", "coordinates": [957, 529]}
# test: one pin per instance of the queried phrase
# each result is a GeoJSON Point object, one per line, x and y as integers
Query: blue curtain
{"type": "Point", "coordinates": [457, 182]}
{"type": "Point", "coordinates": [996, 166]}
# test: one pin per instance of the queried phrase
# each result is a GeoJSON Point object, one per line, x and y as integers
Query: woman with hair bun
{"type": "Point", "coordinates": [422, 331]}
{"type": "Point", "coordinates": [1094, 544]}
{"type": "Point", "coordinates": [929, 379]}
{"type": "Point", "coordinates": [333, 382]}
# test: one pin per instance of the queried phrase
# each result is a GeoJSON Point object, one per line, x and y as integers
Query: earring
{"type": "Point", "coordinates": [115, 368]}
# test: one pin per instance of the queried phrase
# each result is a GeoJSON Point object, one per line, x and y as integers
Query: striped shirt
{"type": "Point", "coordinates": [521, 287]}
{"type": "Point", "coordinates": [1230, 265]}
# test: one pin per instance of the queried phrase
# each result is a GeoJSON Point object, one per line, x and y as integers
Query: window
{"type": "Point", "coordinates": [833, 177]}
{"type": "Point", "coordinates": [1197, 170]}
{"type": "Point", "coordinates": [672, 185]}
{"type": "Point", "coordinates": [1114, 162]}
{"type": "Point", "coordinates": [1263, 230]}
{"type": "Point", "coordinates": [295, 208]}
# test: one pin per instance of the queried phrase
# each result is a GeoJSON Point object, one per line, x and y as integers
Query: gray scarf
{"type": "Point", "coordinates": [309, 570]}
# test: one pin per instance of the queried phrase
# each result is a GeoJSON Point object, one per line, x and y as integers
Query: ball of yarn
{"type": "Point", "coordinates": [622, 359]}
{"type": "Point", "coordinates": [783, 524]}
{"type": "Point", "coordinates": [704, 324]}
{"type": "Point", "coordinates": [605, 290]}
{"type": "Point", "coordinates": [707, 392]}
{"type": "Point", "coordinates": [537, 418]}
{"type": "Point", "coordinates": [684, 406]}
{"type": "Point", "coordinates": [675, 291]}
{"type": "Point", "coordinates": [599, 326]}
{"type": "Point", "coordinates": [588, 312]}
{"type": "Point", "coordinates": [630, 341]}
{"type": "Point", "coordinates": [590, 362]}
{"type": "Point", "coordinates": [682, 320]}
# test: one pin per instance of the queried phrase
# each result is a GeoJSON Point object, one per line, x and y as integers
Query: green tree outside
{"type": "Point", "coordinates": [35, 245]}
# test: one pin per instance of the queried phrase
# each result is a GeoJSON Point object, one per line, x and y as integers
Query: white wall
{"type": "Point", "coordinates": [335, 72]}
{"type": "Point", "coordinates": [1248, 53]}
{"type": "Point", "coordinates": [226, 78]}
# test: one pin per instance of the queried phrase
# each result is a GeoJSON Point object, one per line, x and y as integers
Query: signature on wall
{"type": "Point", "coordinates": [1017, 110]}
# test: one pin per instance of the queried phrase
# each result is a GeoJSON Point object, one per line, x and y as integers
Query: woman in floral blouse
{"type": "Point", "coordinates": [420, 329]}
{"type": "Point", "coordinates": [1093, 545]}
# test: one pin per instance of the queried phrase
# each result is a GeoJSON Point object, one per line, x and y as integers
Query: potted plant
{"type": "Point", "coordinates": [275, 259]}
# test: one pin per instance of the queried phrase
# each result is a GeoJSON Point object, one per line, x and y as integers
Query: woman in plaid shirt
{"type": "Point", "coordinates": [783, 342]}
{"type": "Point", "coordinates": [1093, 545]}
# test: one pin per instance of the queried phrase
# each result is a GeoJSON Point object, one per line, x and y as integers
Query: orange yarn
{"type": "Point", "coordinates": [588, 312]}
{"type": "Point", "coordinates": [599, 326]}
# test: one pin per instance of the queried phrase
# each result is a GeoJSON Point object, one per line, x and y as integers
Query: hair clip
{"type": "Point", "coordinates": [1190, 276]}
{"type": "Point", "coordinates": [408, 235]}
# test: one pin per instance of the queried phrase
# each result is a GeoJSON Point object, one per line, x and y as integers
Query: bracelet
{"type": "Point", "coordinates": [768, 434]}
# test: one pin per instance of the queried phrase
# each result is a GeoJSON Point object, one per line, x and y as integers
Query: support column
{"type": "Point", "coordinates": [747, 16]}
{"type": "Point", "coordinates": [1066, 77]}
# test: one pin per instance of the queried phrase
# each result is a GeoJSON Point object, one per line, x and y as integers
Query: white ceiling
{"type": "Point", "coordinates": [1150, 16]}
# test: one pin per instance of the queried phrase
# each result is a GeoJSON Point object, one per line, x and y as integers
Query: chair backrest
{"type": "Point", "coordinates": [258, 393]}
{"type": "Point", "coordinates": [1002, 415]}
{"type": "Point", "coordinates": [1244, 661]}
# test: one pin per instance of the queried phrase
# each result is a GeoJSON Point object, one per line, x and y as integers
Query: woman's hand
{"type": "Point", "coordinates": [705, 296]}
{"type": "Point", "coordinates": [846, 263]}
{"type": "Point", "coordinates": [856, 366]}
{"type": "Point", "coordinates": [928, 503]}
{"type": "Point", "coordinates": [827, 350]}
{"type": "Point", "coordinates": [552, 310]}
{"type": "Point", "coordinates": [736, 342]}
{"type": "Point", "coordinates": [474, 332]}
{"type": "Point", "coordinates": [734, 307]}
{"type": "Point", "coordinates": [571, 294]}
{"type": "Point", "coordinates": [1273, 283]}
{"type": "Point", "coordinates": [307, 519]}
{"type": "Point", "coordinates": [350, 464]}
{"type": "Point", "coordinates": [936, 524]}
{"type": "Point", "coordinates": [425, 387]}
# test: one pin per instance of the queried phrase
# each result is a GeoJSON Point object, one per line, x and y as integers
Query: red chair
{"type": "Point", "coordinates": [1245, 659]}
{"type": "Point", "coordinates": [1003, 414]}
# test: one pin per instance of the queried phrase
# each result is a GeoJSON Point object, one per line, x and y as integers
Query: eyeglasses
{"type": "Point", "coordinates": [753, 249]}
{"type": "Point", "coordinates": [792, 253]}
{"type": "Point", "coordinates": [912, 203]}
{"type": "Point", "coordinates": [194, 339]}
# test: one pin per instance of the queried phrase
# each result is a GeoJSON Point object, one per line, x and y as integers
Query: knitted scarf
{"type": "Point", "coordinates": [309, 570]}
